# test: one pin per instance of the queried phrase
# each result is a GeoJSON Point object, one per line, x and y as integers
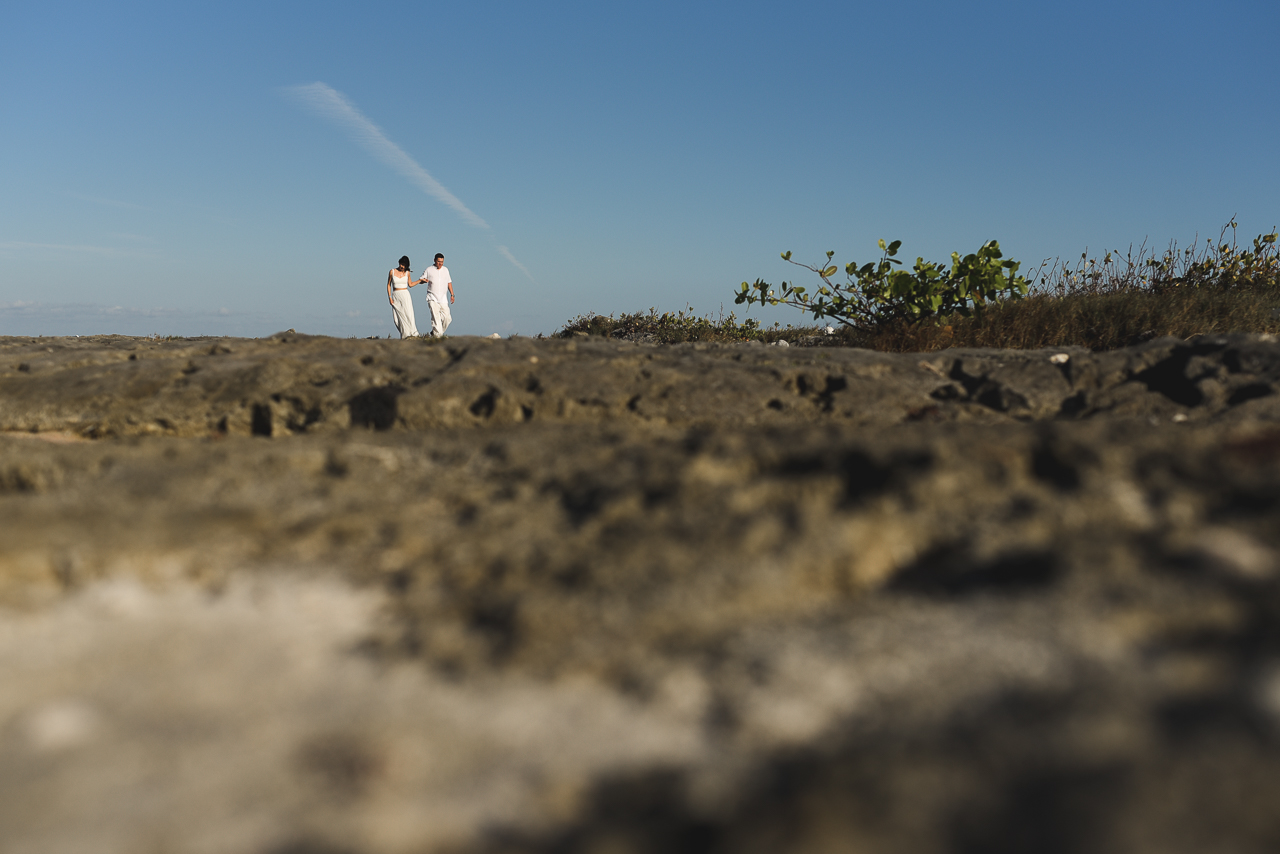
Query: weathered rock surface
{"type": "Point", "coordinates": [492, 596]}
{"type": "Point", "coordinates": [290, 384]}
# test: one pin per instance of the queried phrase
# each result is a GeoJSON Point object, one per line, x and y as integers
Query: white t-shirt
{"type": "Point", "coordinates": [438, 282]}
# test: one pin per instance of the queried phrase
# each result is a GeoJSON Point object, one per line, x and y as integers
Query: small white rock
{"type": "Point", "coordinates": [60, 725]}
{"type": "Point", "coordinates": [495, 335]}
{"type": "Point", "coordinates": [1236, 553]}
{"type": "Point", "coordinates": [1060, 358]}
{"type": "Point", "coordinates": [1179, 418]}
{"type": "Point", "coordinates": [781, 343]}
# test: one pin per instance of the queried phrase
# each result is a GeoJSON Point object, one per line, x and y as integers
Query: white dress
{"type": "Point", "coordinates": [402, 307]}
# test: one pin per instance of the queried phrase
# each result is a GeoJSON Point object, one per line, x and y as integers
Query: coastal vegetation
{"type": "Point", "coordinates": [879, 293]}
{"type": "Point", "coordinates": [979, 300]}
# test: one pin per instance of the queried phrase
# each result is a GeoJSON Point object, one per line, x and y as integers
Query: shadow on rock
{"type": "Point", "coordinates": [375, 408]}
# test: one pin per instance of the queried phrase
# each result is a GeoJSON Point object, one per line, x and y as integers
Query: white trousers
{"type": "Point", "coordinates": [402, 313]}
{"type": "Point", "coordinates": [440, 316]}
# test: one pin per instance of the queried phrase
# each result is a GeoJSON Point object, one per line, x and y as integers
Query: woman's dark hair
{"type": "Point", "coordinates": [404, 261]}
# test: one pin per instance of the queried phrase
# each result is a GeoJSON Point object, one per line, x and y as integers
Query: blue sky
{"type": "Point", "coordinates": [160, 174]}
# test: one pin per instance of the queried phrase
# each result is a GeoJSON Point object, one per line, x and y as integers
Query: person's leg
{"type": "Point", "coordinates": [397, 316]}
{"type": "Point", "coordinates": [437, 317]}
{"type": "Point", "coordinates": [446, 317]}
{"type": "Point", "coordinates": [402, 312]}
{"type": "Point", "coordinates": [408, 313]}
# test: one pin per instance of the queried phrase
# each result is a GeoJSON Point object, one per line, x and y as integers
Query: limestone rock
{"type": "Point", "coordinates": [307, 594]}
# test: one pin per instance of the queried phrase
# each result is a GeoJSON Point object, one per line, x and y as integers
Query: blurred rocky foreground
{"type": "Point", "coordinates": [303, 595]}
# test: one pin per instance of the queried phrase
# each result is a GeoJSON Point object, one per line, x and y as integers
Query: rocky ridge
{"type": "Point", "coordinates": [307, 594]}
{"type": "Point", "coordinates": [290, 384]}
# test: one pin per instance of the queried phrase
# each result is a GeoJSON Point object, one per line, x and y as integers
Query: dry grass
{"type": "Point", "coordinates": [1096, 321]}
{"type": "Point", "coordinates": [1119, 300]}
{"type": "Point", "coordinates": [679, 326]}
{"type": "Point", "coordinates": [1103, 303]}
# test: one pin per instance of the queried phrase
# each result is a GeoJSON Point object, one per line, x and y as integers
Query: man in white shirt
{"type": "Point", "coordinates": [438, 283]}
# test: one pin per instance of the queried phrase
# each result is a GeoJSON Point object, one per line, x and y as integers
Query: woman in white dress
{"type": "Point", "coordinates": [398, 285]}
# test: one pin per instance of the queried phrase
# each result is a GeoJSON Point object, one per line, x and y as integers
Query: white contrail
{"type": "Point", "coordinates": [506, 253]}
{"type": "Point", "coordinates": [329, 104]}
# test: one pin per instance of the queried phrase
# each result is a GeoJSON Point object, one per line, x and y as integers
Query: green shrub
{"type": "Point", "coordinates": [877, 293]}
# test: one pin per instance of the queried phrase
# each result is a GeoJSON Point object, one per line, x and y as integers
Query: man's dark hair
{"type": "Point", "coordinates": [439, 255]}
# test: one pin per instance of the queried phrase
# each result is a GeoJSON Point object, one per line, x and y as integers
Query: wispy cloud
{"type": "Point", "coordinates": [506, 253]}
{"type": "Point", "coordinates": [329, 104]}
{"type": "Point", "coordinates": [111, 203]}
{"type": "Point", "coordinates": [107, 251]}
{"type": "Point", "coordinates": [36, 318]}
{"type": "Point", "coordinates": [39, 311]}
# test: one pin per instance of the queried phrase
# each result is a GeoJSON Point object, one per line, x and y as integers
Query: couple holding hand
{"type": "Point", "coordinates": [438, 284]}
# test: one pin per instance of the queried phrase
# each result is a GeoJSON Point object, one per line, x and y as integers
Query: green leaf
{"type": "Point", "coordinates": [884, 290]}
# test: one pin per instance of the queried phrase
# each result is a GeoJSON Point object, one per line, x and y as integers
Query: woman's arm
{"type": "Point", "coordinates": [390, 299]}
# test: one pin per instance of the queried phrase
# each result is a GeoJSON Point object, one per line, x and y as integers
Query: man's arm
{"type": "Point", "coordinates": [450, 293]}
